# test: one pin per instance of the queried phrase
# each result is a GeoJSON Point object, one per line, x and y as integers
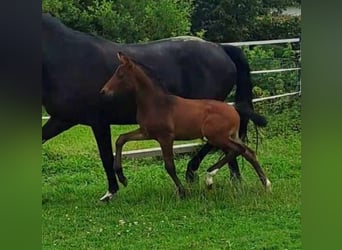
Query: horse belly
{"type": "Point", "coordinates": [188, 129]}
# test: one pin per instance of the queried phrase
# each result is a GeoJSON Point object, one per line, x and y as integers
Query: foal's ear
{"type": "Point", "coordinates": [123, 58]}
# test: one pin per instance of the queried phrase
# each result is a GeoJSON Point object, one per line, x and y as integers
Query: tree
{"type": "Point", "coordinates": [124, 20]}
{"type": "Point", "coordinates": [229, 20]}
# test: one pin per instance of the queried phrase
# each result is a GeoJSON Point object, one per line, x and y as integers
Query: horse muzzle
{"type": "Point", "coordinates": [106, 92]}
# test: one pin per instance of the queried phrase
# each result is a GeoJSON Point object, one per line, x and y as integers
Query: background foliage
{"type": "Point", "coordinates": [122, 20]}
{"type": "Point", "coordinates": [229, 20]}
{"type": "Point", "coordinates": [143, 20]}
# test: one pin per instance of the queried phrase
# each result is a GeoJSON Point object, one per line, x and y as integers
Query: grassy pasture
{"type": "Point", "coordinates": [147, 214]}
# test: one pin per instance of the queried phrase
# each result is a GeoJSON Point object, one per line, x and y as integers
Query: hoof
{"type": "Point", "coordinates": [181, 193]}
{"type": "Point", "coordinates": [190, 176]}
{"type": "Point", "coordinates": [236, 181]}
{"type": "Point", "coordinates": [268, 185]}
{"type": "Point", "coordinates": [123, 180]}
{"type": "Point", "coordinates": [107, 197]}
{"type": "Point", "coordinates": [235, 178]}
{"type": "Point", "coordinates": [210, 186]}
{"type": "Point", "coordinates": [209, 180]}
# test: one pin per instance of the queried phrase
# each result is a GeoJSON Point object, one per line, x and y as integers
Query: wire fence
{"type": "Point", "coordinates": [190, 147]}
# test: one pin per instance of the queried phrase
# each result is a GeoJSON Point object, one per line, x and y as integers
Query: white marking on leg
{"type": "Point", "coordinates": [268, 184]}
{"type": "Point", "coordinates": [210, 176]}
{"type": "Point", "coordinates": [209, 181]}
{"type": "Point", "coordinates": [107, 196]}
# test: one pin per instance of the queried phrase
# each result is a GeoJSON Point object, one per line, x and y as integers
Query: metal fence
{"type": "Point", "coordinates": [190, 147]}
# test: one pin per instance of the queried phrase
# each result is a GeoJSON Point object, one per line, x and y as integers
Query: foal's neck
{"type": "Point", "coordinates": [146, 92]}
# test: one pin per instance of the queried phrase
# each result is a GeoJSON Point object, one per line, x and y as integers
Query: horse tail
{"type": "Point", "coordinates": [244, 83]}
{"type": "Point", "coordinates": [247, 113]}
{"type": "Point", "coordinates": [244, 111]}
{"type": "Point", "coordinates": [243, 94]}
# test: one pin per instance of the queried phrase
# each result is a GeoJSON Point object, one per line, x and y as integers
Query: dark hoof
{"type": "Point", "coordinates": [190, 176]}
{"type": "Point", "coordinates": [235, 179]}
{"type": "Point", "coordinates": [123, 180]}
{"type": "Point", "coordinates": [210, 186]}
{"type": "Point", "coordinates": [181, 193]}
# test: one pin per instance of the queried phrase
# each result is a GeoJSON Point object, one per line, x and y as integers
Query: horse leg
{"type": "Point", "coordinates": [250, 156]}
{"type": "Point", "coordinates": [103, 138]}
{"type": "Point", "coordinates": [232, 161]}
{"type": "Point", "coordinates": [194, 163]}
{"type": "Point", "coordinates": [166, 144]}
{"type": "Point", "coordinates": [234, 167]}
{"type": "Point", "coordinates": [211, 172]}
{"type": "Point", "coordinates": [53, 127]}
{"type": "Point", "coordinates": [134, 135]}
{"type": "Point", "coordinates": [230, 157]}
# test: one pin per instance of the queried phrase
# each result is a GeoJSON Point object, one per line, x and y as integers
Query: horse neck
{"type": "Point", "coordinates": [146, 93]}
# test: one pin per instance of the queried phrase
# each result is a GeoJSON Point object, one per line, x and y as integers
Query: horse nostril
{"type": "Point", "coordinates": [102, 92]}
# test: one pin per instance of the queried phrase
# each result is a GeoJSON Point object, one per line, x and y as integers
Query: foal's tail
{"type": "Point", "coordinates": [244, 86]}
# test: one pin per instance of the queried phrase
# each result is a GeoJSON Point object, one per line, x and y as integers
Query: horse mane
{"type": "Point", "coordinates": [156, 80]}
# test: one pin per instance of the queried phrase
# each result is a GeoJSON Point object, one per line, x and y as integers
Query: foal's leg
{"type": "Point", "coordinates": [166, 144]}
{"type": "Point", "coordinates": [250, 156]}
{"type": "Point", "coordinates": [134, 135]}
{"type": "Point", "coordinates": [211, 172]}
{"type": "Point", "coordinates": [194, 163]}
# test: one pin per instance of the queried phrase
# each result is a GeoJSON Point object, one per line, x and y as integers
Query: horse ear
{"type": "Point", "coordinates": [122, 57]}
{"type": "Point", "coordinates": [119, 54]}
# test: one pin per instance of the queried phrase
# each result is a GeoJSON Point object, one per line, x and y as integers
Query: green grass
{"type": "Point", "coordinates": [147, 214]}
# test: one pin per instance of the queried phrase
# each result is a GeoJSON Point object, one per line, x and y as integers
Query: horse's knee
{"type": "Point", "coordinates": [120, 141]}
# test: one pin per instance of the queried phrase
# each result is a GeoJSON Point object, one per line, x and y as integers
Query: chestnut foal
{"type": "Point", "coordinates": [166, 118]}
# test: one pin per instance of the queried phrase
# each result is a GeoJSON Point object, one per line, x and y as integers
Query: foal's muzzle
{"type": "Point", "coordinates": [106, 92]}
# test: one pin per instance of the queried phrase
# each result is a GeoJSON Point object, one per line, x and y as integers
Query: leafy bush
{"type": "Point", "coordinates": [229, 21]}
{"type": "Point", "coordinates": [283, 114]}
{"type": "Point", "coordinates": [270, 57]}
{"type": "Point", "coordinates": [122, 20]}
{"type": "Point", "coordinates": [275, 27]}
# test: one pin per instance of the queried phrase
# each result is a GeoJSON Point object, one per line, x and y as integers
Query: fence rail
{"type": "Point", "coordinates": [264, 42]}
{"type": "Point", "coordinates": [190, 147]}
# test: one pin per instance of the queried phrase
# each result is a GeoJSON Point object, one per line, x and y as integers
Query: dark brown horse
{"type": "Point", "coordinates": [166, 118]}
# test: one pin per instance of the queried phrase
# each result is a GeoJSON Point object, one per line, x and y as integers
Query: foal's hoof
{"type": "Point", "coordinates": [107, 197]}
{"type": "Point", "coordinates": [190, 176]}
{"type": "Point", "coordinates": [268, 185]}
